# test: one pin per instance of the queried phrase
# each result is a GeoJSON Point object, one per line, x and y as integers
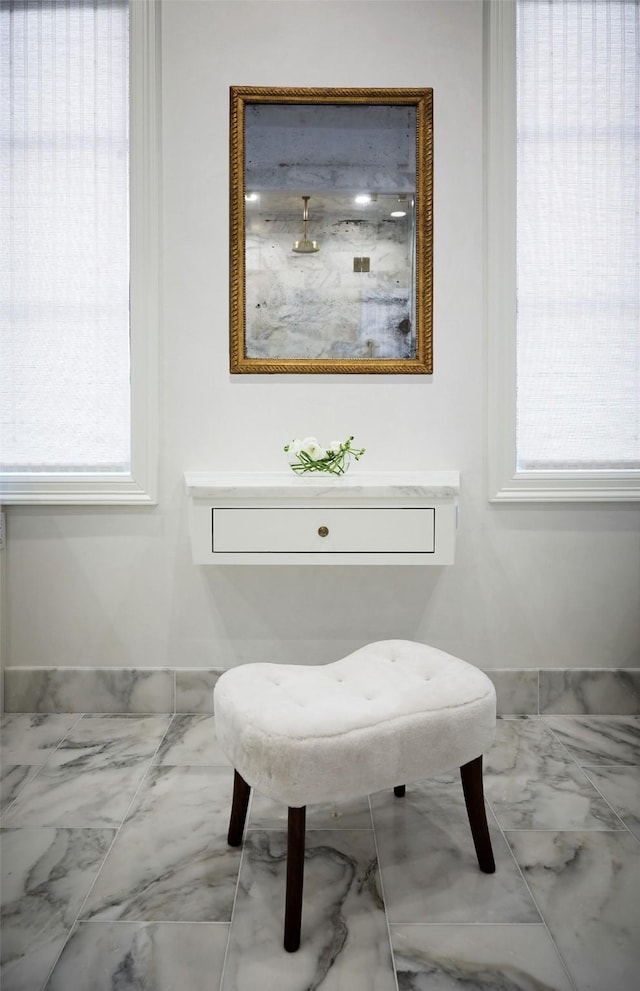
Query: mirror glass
{"type": "Point", "coordinates": [331, 230]}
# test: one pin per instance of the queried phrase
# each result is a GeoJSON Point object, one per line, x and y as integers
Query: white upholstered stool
{"type": "Point", "coordinates": [390, 713]}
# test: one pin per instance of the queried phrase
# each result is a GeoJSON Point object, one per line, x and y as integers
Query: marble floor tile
{"type": "Point", "coordinates": [110, 740]}
{"type": "Point", "coordinates": [142, 956]}
{"type": "Point", "coordinates": [354, 814]}
{"type": "Point", "coordinates": [344, 942]}
{"type": "Point", "coordinates": [171, 861]}
{"type": "Point", "coordinates": [31, 738]}
{"type": "Point", "coordinates": [621, 788]}
{"type": "Point", "coordinates": [156, 895]}
{"type": "Point", "coordinates": [191, 739]}
{"type": "Point", "coordinates": [532, 783]}
{"type": "Point", "coordinates": [599, 739]}
{"type": "Point", "coordinates": [92, 777]}
{"type": "Point", "coordinates": [46, 874]}
{"type": "Point", "coordinates": [491, 958]}
{"type": "Point", "coordinates": [586, 885]}
{"type": "Point", "coordinates": [84, 796]}
{"type": "Point", "coordinates": [13, 778]}
{"type": "Point", "coordinates": [428, 863]}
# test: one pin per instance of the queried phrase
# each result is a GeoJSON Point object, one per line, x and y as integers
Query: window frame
{"type": "Point", "coordinates": [505, 483]}
{"type": "Point", "coordinates": [139, 485]}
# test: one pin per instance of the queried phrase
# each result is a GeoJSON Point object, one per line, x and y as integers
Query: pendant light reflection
{"type": "Point", "coordinates": [400, 210]}
{"type": "Point", "coordinates": [305, 246]}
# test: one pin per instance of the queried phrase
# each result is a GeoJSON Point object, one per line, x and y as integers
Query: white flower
{"type": "Point", "coordinates": [313, 448]}
{"type": "Point", "coordinates": [334, 447]}
{"type": "Point", "coordinates": [295, 447]}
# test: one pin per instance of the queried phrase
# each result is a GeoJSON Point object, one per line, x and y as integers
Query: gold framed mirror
{"type": "Point", "coordinates": [331, 226]}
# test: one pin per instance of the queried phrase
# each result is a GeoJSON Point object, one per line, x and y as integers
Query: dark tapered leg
{"type": "Point", "coordinates": [239, 805]}
{"type": "Point", "coordinates": [471, 775]}
{"type": "Point", "coordinates": [398, 791]}
{"type": "Point", "coordinates": [295, 877]}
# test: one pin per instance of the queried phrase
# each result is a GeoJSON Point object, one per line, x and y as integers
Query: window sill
{"type": "Point", "coordinates": [568, 487]}
{"type": "Point", "coordinates": [69, 490]}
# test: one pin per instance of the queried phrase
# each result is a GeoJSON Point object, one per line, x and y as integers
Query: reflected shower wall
{"type": "Point", "coordinates": [354, 296]}
{"type": "Point", "coordinates": [315, 305]}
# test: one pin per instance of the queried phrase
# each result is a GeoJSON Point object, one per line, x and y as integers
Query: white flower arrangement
{"type": "Point", "coordinates": [308, 455]}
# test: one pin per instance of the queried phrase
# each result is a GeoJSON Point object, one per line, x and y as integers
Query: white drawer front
{"type": "Point", "coordinates": [356, 530]}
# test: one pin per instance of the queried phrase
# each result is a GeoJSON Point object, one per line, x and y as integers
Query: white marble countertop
{"type": "Point", "coordinates": [353, 484]}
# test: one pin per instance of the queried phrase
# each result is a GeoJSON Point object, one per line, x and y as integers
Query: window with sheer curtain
{"type": "Point", "coordinates": [572, 69]}
{"type": "Point", "coordinates": [66, 406]}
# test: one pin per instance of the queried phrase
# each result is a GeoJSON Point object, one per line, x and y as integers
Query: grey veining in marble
{"type": "Point", "coordinates": [87, 797]}
{"type": "Point", "coordinates": [172, 862]}
{"type": "Point", "coordinates": [77, 796]}
{"type": "Point", "coordinates": [517, 691]}
{"type": "Point", "coordinates": [46, 874]}
{"type": "Point", "coordinates": [586, 885]}
{"type": "Point", "coordinates": [610, 691]}
{"type": "Point", "coordinates": [89, 690]}
{"type": "Point", "coordinates": [110, 740]}
{"type": "Point", "coordinates": [428, 864]}
{"type": "Point", "coordinates": [357, 484]}
{"type": "Point", "coordinates": [13, 778]}
{"type": "Point", "coordinates": [477, 958]}
{"type": "Point", "coordinates": [621, 788]}
{"type": "Point", "coordinates": [597, 739]}
{"type": "Point", "coordinates": [31, 738]}
{"type": "Point", "coordinates": [141, 956]}
{"type": "Point", "coordinates": [344, 940]}
{"type": "Point", "coordinates": [532, 783]}
{"type": "Point", "coordinates": [191, 740]}
{"type": "Point", "coordinates": [194, 689]}
{"type": "Point", "coordinates": [92, 777]}
{"type": "Point", "coordinates": [588, 691]}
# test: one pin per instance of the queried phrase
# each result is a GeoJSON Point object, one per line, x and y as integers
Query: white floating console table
{"type": "Point", "coordinates": [358, 518]}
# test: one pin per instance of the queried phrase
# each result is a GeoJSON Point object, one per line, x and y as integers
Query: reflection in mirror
{"type": "Point", "coordinates": [331, 230]}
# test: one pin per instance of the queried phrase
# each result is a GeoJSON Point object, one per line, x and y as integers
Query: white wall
{"type": "Point", "coordinates": [547, 586]}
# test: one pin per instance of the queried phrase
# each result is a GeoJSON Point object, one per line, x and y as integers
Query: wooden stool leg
{"type": "Point", "coordinates": [398, 791]}
{"type": "Point", "coordinates": [239, 805]}
{"type": "Point", "coordinates": [295, 877]}
{"type": "Point", "coordinates": [471, 775]}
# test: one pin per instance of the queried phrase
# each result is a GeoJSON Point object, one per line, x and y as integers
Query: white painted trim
{"type": "Point", "coordinates": [553, 487]}
{"type": "Point", "coordinates": [139, 487]}
{"type": "Point", "coordinates": [500, 228]}
{"type": "Point", "coordinates": [146, 240]}
{"type": "Point", "coordinates": [505, 484]}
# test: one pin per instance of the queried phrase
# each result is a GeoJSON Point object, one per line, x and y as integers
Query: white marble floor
{"type": "Point", "coordinates": [116, 874]}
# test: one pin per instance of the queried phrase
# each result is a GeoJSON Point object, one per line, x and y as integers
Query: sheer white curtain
{"type": "Point", "coordinates": [64, 137]}
{"type": "Point", "coordinates": [578, 241]}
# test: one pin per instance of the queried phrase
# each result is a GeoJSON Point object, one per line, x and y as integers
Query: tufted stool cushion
{"type": "Point", "coordinates": [391, 712]}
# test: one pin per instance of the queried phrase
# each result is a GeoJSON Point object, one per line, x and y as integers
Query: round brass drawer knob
{"type": "Point", "coordinates": [323, 531]}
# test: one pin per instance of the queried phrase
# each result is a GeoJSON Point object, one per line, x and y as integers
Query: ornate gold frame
{"type": "Point", "coordinates": [422, 99]}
